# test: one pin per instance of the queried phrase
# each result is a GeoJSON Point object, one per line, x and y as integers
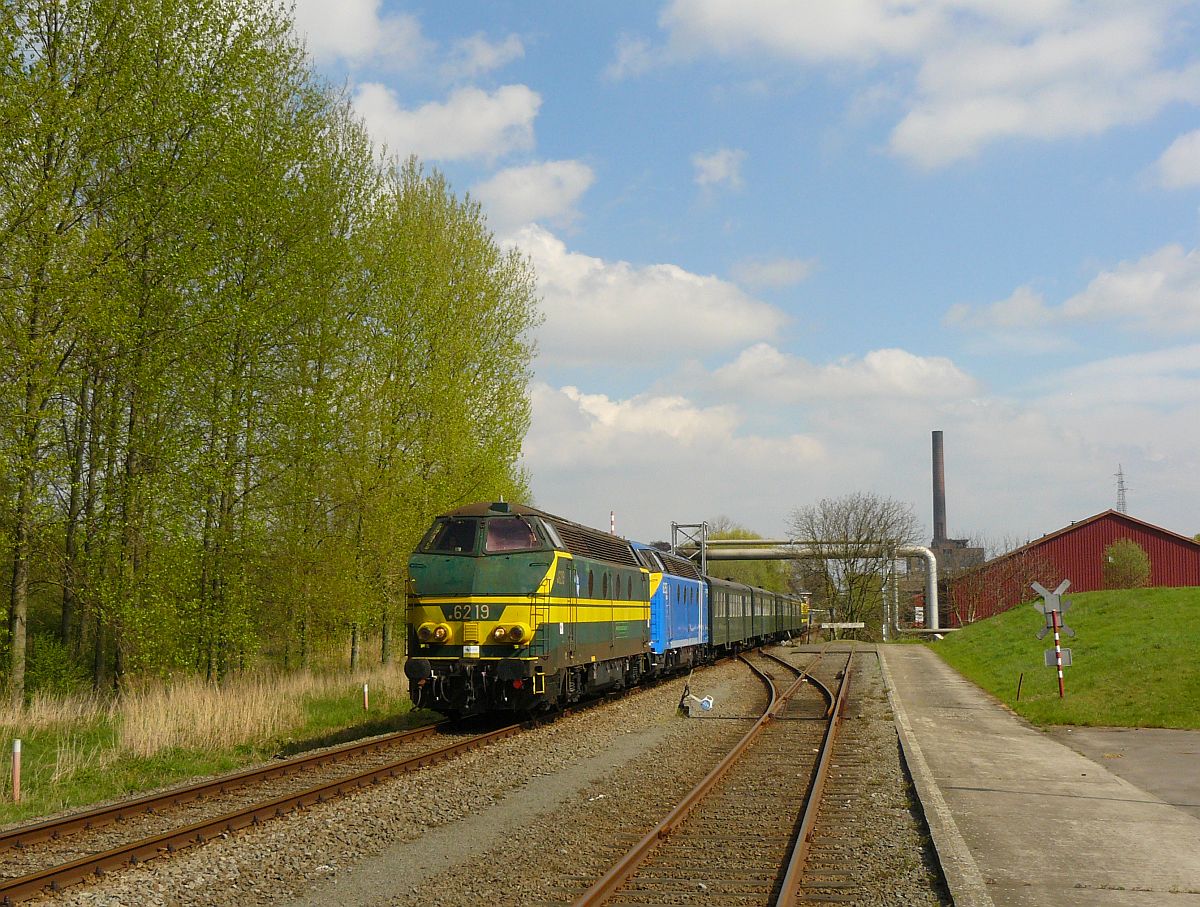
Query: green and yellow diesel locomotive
{"type": "Point", "coordinates": [511, 608]}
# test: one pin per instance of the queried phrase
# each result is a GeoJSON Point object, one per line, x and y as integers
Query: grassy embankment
{"type": "Point", "coordinates": [1135, 662]}
{"type": "Point", "coordinates": [78, 750]}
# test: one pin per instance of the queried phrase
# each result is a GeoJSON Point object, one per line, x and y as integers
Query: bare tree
{"type": "Point", "coordinates": [851, 535]}
{"type": "Point", "coordinates": [999, 584]}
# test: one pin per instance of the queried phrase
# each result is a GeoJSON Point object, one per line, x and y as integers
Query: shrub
{"type": "Point", "coordinates": [1126, 565]}
{"type": "Point", "coordinates": [52, 669]}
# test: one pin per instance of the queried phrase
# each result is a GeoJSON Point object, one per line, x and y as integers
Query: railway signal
{"type": "Point", "coordinates": [1052, 607]}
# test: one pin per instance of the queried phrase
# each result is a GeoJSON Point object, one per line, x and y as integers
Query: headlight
{"type": "Point", "coordinates": [425, 633]}
{"type": "Point", "coordinates": [441, 633]}
{"type": "Point", "coordinates": [518, 633]}
{"type": "Point", "coordinates": [499, 634]}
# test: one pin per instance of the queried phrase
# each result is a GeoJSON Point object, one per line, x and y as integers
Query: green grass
{"type": "Point", "coordinates": [1134, 660]}
{"type": "Point", "coordinates": [71, 764]}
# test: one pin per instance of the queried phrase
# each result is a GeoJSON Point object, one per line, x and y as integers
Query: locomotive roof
{"type": "Point", "coordinates": [579, 539]}
{"type": "Point", "coordinates": [489, 508]}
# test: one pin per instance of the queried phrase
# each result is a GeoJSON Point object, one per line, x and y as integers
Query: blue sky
{"type": "Point", "coordinates": [778, 243]}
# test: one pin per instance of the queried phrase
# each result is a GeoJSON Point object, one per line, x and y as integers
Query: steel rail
{"type": "Point", "coordinates": [607, 885]}
{"type": "Point", "coordinates": [789, 889]}
{"type": "Point", "coordinates": [807, 676]}
{"type": "Point", "coordinates": [58, 877]}
{"type": "Point", "coordinates": [52, 829]}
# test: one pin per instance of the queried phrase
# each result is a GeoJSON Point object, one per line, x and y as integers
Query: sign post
{"type": "Point", "coordinates": [1052, 607]}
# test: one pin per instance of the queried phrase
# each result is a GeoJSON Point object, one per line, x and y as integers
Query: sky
{"type": "Point", "coordinates": [779, 243]}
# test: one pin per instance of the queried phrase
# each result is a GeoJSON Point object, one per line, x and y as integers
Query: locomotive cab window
{"type": "Point", "coordinates": [552, 535]}
{"type": "Point", "coordinates": [509, 534]}
{"type": "Point", "coordinates": [454, 536]}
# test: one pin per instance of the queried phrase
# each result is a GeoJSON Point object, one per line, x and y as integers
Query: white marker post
{"type": "Point", "coordinates": [16, 771]}
{"type": "Point", "coordinates": [366, 699]}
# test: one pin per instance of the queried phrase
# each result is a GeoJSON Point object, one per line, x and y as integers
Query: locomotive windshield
{"type": "Point", "coordinates": [509, 534]}
{"type": "Point", "coordinates": [453, 536]}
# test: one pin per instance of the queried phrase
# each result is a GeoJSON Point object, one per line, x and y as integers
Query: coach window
{"type": "Point", "coordinates": [591, 583]}
{"type": "Point", "coordinates": [604, 586]}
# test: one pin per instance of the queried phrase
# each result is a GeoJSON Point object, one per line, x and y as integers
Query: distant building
{"type": "Point", "coordinates": [1075, 552]}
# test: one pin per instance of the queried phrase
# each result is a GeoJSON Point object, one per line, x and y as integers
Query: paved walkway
{"type": "Point", "coordinates": [1019, 818]}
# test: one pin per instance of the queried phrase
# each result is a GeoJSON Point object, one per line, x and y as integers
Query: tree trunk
{"type": "Point", "coordinates": [74, 511]}
{"type": "Point", "coordinates": [385, 639]}
{"type": "Point", "coordinates": [19, 602]}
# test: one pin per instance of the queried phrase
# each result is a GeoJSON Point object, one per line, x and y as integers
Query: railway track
{"type": "Point", "coordinates": [740, 836]}
{"type": "Point", "coordinates": [59, 852]}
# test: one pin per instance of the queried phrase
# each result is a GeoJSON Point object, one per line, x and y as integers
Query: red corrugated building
{"type": "Point", "coordinates": [1075, 553]}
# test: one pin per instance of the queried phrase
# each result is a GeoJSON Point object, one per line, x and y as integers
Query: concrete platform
{"type": "Point", "coordinates": [1019, 818]}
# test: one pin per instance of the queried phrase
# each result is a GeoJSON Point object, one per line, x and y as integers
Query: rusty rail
{"type": "Point", "coordinates": [604, 887]}
{"type": "Point", "coordinates": [789, 890]}
{"type": "Point", "coordinates": [52, 829]}
{"type": "Point", "coordinates": [58, 877]}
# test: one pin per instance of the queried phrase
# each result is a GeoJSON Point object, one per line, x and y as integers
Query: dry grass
{"type": "Point", "coordinates": [47, 712]}
{"type": "Point", "coordinates": [82, 748]}
{"type": "Point", "coordinates": [189, 713]}
{"type": "Point", "coordinates": [193, 714]}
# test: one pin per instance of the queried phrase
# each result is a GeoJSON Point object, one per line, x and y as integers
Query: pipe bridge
{"type": "Point", "coordinates": [696, 542]}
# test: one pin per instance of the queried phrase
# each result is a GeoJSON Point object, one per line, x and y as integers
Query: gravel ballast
{"type": "Point", "coordinates": [525, 821]}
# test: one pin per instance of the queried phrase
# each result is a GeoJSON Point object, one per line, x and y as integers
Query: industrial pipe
{"type": "Point", "coordinates": [778, 550]}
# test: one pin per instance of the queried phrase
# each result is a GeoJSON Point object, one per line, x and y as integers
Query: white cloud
{"type": "Point", "coordinates": [354, 30]}
{"type": "Point", "coordinates": [471, 124]}
{"type": "Point", "coordinates": [547, 191]}
{"type": "Point", "coordinates": [833, 30]}
{"type": "Point", "coordinates": [1158, 293]}
{"type": "Point", "coordinates": [1025, 308]}
{"type": "Point", "coordinates": [774, 273]}
{"type": "Point", "coordinates": [634, 56]}
{"type": "Point", "coordinates": [1079, 79]}
{"type": "Point", "coordinates": [721, 167]}
{"type": "Point", "coordinates": [1179, 166]}
{"type": "Point", "coordinates": [790, 432]}
{"type": "Point", "coordinates": [615, 312]}
{"type": "Point", "coordinates": [765, 372]}
{"type": "Point", "coordinates": [980, 71]}
{"type": "Point", "coordinates": [476, 55]}
{"type": "Point", "coordinates": [653, 458]}
{"type": "Point", "coordinates": [1155, 380]}
{"type": "Point", "coordinates": [575, 430]}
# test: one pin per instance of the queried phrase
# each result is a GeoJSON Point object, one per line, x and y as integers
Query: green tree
{"type": "Point", "coordinates": [244, 361]}
{"type": "Point", "coordinates": [773, 575]}
{"type": "Point", "coordinates": [63, 84]}
{"type": "Point", "coordinates": [435, 401]}
{"type": "Point", "coordinates": [1126, 565]}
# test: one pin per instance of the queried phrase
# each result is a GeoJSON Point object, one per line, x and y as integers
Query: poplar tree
{"type": "Point", "coordinates": [243, 360]}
